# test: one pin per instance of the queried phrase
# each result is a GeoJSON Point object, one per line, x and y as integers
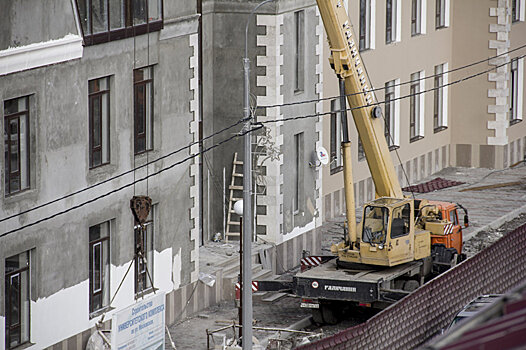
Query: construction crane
{"type": "Point", "coordinates": [401, 242]}
{"type": "Point", "coordinates": [394, 229]}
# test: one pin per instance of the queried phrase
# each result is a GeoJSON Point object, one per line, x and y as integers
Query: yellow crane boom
{"type": "Point", "coordinates": [348, 65]}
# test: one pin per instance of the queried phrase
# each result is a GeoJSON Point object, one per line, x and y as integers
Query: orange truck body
{"type": "Point", "coordinates": [452, 236]}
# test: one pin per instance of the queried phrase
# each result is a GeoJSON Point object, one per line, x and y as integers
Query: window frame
{"type": "Point", "coordinates": [392, 113]}
{"type": "Point", "coordinates": [92, 97]}
{"type": "Point", "coordinates": [102, 241]}
{"type": "Point", "coordinates": [145, 233]}
{"type": "Point", "coordinates": [367, 25]}
{"type": "Point", "coordinates": [128, 30]}
{"type": "Point", "coordinates": [392, 21]}
{"type": "Point", "coordinates": [299, 147]}
{"type": "Point", "coordinates": [416, 106]}
{"type": "Point", "coordinates": [442, 9]}
{"type": "Point", "coordinates": [440, 98]}
{"type": "Point", "coordinates": [146, 122]}
{"type": "Point", "coordinates": [516, 90]}
{"type": "Point", "coordinates": [517, 11]}
{"type": "Point", "coordinates": [8, 308]}
{"type": "Point", "coordinates": [299, 51]}
{"type": "Point", "coordinates": [418, 17]}
{"type": "Point", "coordinates": [336, 158]}
{"type": "Point", "coordinates": [8, 173]}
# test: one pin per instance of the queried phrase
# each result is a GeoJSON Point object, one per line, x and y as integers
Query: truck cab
{"type": "Point", "coordinates": [387, 235]}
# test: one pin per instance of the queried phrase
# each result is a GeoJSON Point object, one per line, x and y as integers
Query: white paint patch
{"type": "Point", "coordinates": [66, 313]}
{"type": "Point", "coordinates": [16, 59]}
{"type": "Point", "coordinates": [176, 270]}
{"type": "Point", "coordinates": [162, 270]}
{"type": "Point", "coordinates": [59, 316]}
{"type": "Point", "coordinates": [299, 230]}
{"type": "Point", "coordinates": [126, 294]}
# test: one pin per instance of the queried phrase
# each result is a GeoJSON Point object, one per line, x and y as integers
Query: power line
{"type": "Point", "coordinates": [307, 116]}
{"type": "Point", "coordinates": [210, 148]}
{"type": "Point", "coordinates": [242, 133]}
{"type": "Point", "coordinates": [398, 84]}
{"type": "Point", "coordinates": [121, 174]}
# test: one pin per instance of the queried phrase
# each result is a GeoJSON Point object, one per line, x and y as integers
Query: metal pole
{"type": "Point", "coordinates": [246, 297]}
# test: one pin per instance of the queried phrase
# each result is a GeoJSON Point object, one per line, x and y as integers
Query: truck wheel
{"type": "Point", "coordinates": [317, 316]}
{"type": "Point", "coordinates": [411, 285]}
{"type": "Point", "coordinates": [329, 315]}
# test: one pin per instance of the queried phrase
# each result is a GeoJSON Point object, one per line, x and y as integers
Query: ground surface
{"type": "Point", "coordinates": [493, 212]}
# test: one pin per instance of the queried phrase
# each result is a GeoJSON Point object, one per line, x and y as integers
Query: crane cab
{"type": "Point", "coordinates": [386, 235]}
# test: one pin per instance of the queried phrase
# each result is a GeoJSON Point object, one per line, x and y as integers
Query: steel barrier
{"type": "Point", "coordinates": [423, 313]}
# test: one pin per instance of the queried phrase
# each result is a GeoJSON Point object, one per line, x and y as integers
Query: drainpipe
{"type": "Point", "coordinates": [200, 115]}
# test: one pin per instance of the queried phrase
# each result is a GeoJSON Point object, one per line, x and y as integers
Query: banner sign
{"type": "Point", "coordinates": [140, 326]}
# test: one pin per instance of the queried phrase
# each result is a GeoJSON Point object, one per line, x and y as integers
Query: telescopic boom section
{"type": "Point", "coordinates": [348, 65]}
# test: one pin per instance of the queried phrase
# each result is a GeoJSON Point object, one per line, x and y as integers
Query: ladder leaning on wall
{"type": "Point", "coordinates": [236, 193]}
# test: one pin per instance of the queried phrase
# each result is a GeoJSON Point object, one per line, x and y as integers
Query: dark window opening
{"type": "Point", "coordinates": [17, 300]}
{"type": "Point", "coordinates": [299, 50]}
{"type": "Point", "coordinates": [336, 158]}
{"type": "Point", "coordinates": [416, 17]}
{"type": "Point", "coordinates": [440, 19]}
{"type": "Point", "coordinates": [99, 266]}
{"type": "Point", "coordinates": [365, 24]}
{"type": "Point", "coordinates": [16, 145]}
{"type": "Point", "coordinates": [143, 109]}
{"type": "Point", "coordinates": [99, 122]}
{"type": "Point", "coordinates": [107, 20]}
{"type": "Point", "coordinates": [144, 236]}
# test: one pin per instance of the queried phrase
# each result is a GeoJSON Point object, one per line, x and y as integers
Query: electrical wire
{"type": "Point", "coordinates": [121, 174]}
{"type": "Point", "coordinates": [398, 84]}
{"type": "Point", "coordinates": [242, 133]}
{"type": "Point", "coordinates": [243, 120]}
{"type": "Point", "coordinates": [315, 115]}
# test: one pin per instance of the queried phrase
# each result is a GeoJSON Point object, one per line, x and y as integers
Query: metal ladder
{"type": "Point", "coordinates": [236, 193]}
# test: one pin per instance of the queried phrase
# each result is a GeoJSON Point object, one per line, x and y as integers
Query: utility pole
{"type": "Point", "coordinates": [246, 278]}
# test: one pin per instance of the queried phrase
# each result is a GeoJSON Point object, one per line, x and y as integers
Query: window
{"type": "Point", "coordinates": [400, 225]}
{"type": "Point", "coordinates": [418, 17]}
{"type": "Point", "coordinates": [442, 13]}
{"type": "Point", "coordinates": [298, 172]}
{"type": "Point", "coordinates": [299, 50]}
{"type": "Point", "coordinates": [99, 121]}
{"type": "Point", "coordinates": [17, 300]}
{"type": "Point", "coordinates": [517, 10]}
{"type": "Point", "coordinates": [361, 151]}
{"type": "Point", "coordinates": [453, 217]}
{"type": "Point", "coordinates": [392, 21]}
{"type": "Point", "coordinates": [106, 20]}
{"type": "Point", "coordinates": [392, 113]}
{"type": "Point", "coordinates": [375, 224]}
{"type": "Point", "coordinates": [144, 236]}
{"type": "Point", "coordinates": [516, 89]}
{"type": "Point", "coordinates": [416, 107]}
{"type": "Point", "coordinates": [143, 109]}
{"type": "Point", "coordinates": [16, 145]}
{"type": "Point", "coordinates": [336, 137]}
{"type": "Point", "coordinates": [99, 266]}
{"type": "Point", "coordinates": [440, 98]}
{"type": "Point", "coordinates": [367, 12]}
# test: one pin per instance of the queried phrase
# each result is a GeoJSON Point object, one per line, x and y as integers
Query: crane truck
{"type": "Point", "coordinates": [400, 242]}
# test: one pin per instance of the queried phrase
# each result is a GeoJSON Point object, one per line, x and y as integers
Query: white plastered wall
{"type": "Point", "coordinates": [273, 82]}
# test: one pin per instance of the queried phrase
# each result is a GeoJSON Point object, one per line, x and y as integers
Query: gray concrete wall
{"type": "Point", "coordinates": [305, 126]}
{"type": "Point", "coordinates": [223, 49]}
{"type": "Point", "coordinates": [59, 163]}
